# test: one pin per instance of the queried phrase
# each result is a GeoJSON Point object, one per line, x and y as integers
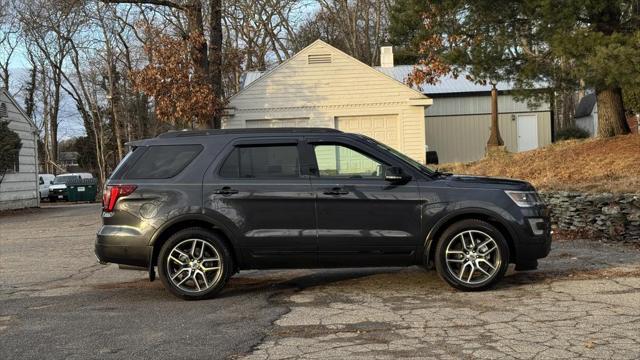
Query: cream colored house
{"type": "Point", "coordinates": [323, 87]}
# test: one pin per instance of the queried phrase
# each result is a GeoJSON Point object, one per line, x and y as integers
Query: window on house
{"type": "Point", "coordinates": [273, 161]}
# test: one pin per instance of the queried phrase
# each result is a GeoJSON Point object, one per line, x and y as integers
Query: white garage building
{"type": "Point", "coordinates": [323, 87]}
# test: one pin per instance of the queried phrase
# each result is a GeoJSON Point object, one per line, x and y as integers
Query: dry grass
{"type": "Point", "coordinates": [593, 165]}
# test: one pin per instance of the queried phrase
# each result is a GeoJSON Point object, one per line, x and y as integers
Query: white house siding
{"type": "Point", "coordinates": [325, 92]}
{"type": "Point", "coordinates": [458, 127]}
{"type": "Point", "coordinates": [20, 189]}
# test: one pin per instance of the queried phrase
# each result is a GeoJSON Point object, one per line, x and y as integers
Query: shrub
{"type": "Point", "coordinates": [572, 132]}
{"type": "Point", "coordinates": [10, 145]}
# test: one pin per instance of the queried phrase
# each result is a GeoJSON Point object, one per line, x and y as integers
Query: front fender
{"type": "Point", "coordinates": [459, 211]}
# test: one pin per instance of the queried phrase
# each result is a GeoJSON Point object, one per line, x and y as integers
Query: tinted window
{"type": "Point", "coordinates": [163, 161]}
{"type": "Point", "coordinates": [278, 161]}
{"type": "Point", "coordinates": [341, 161]}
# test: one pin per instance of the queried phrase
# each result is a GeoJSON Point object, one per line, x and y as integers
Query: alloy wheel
{"type": "Point", "coordinates": [473, 257]}
{"type": "Point", "coordinates": [194, 265]}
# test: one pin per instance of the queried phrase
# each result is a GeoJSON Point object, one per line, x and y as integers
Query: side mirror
{"type": "Point", "coordinates": [395, 174]}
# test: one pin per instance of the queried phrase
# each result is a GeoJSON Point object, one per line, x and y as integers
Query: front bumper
{"type": "Point", "coordinates": [58, 194]}
{"type": "Point", "coordinates": [532, 243]}
{"type": "Point", "coordinates": [122, 245]}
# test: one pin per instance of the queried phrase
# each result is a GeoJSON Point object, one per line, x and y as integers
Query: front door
{"type": "Point", "coordinates": [363, 220]}
{"type": "Point", "coordinates": [260, 192]}
{"type": "Point", "coordinates": [527, 132]}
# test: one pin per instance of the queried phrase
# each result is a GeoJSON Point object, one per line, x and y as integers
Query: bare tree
{"type": "Point", "coordinates": [257, 34]}
{"type": "Point", "coordinates": [49, 27]}
{"type": "Point", "coordinates": [358, 27]}
{"type": "Point", "coordinates": [9, 40]}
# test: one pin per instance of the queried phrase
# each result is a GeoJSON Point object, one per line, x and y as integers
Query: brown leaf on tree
{"type": "Point", "coordinates": [183, 95]}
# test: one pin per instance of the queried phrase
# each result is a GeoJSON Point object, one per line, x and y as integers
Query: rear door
{"type": "Point", "coordinates": [262, 193]}
{"type": "Point", "coordinates": [363, 220]}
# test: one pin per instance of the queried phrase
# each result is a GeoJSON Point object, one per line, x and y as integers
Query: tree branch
{"type": "Point", "coordinates": [167, 3]}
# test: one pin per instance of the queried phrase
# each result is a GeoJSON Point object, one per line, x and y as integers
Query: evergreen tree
{"type": "Point", "coordinates": [10, 146]}
{"type": "Point", "coordinates": [530, 42]}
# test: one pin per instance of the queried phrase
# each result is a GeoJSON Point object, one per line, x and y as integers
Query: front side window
{"type": "Point", "coordinates": [163, 161]}
{"type": "Point", "coordinates": [272, 161]}
{"type": "Point", "coordinates": [341, 161]}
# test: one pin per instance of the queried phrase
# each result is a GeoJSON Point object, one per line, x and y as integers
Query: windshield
{"type": "Point", "coordinates": [64, 179]}
{"type": "Point", "coordinates": [403, 157]}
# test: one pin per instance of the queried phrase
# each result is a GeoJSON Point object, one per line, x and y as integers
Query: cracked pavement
{"type": "Point", "coordinates": [55, 301]}
{"type": "Point", "coordinates": [410, 314]}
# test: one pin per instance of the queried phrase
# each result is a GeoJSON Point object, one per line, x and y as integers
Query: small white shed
{"type": "Point", "coordinates": [19, 188]}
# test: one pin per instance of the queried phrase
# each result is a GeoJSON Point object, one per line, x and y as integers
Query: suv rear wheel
{"type": "Point", "coordinates": [472, 255]}
{"type": "Point", "coordinates": [194, 264]}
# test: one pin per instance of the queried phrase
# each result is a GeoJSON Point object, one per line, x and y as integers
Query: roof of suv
{"type": "Point", "coordinates": [212, 132]}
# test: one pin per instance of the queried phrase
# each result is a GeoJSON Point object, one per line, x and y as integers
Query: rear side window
{"type": "Point", "coordinates": [163, 161]}
{"type": "Point", "coordinates": [277, 161]}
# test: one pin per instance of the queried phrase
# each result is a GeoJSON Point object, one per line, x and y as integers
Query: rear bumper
{"type": "Point", "coordinates": [122, 245]}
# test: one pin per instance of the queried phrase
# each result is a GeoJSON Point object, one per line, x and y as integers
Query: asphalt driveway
{"type": "Point", "coordinates": [57, 302]}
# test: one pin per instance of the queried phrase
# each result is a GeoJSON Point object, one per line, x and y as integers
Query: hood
{"type": "Point", "coordinates": [488, 182]}
{"type": "Point", "coordinates": [57, 186]}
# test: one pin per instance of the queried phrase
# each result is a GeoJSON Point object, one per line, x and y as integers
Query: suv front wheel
{"type": "Point", "coordinates": [472, 255]}
{"type": "Point", "coordinates": [194, 264]}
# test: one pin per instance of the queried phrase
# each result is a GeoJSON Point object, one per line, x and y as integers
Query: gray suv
{"type": "Point", "coordinates": [203, 205]}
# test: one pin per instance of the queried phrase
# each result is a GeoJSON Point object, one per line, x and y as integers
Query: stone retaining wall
{"type": "Point", "coordinates": [613, 216]}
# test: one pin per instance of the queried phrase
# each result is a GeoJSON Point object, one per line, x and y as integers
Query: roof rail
{"type": "Point", "coordinates": [212, 132]}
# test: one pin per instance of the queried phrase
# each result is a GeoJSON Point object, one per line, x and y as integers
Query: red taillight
{"type": "Point", "coordinates": [111, 194]}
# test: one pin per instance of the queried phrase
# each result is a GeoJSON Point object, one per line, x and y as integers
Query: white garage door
{"type": "Point", "coordinates": [384, 128]}
{"type": "Point", "coordinates": [276, 123]}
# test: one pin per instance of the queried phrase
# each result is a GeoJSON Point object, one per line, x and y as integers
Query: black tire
{"type": "Point", "coordinates": [226, 265]}
{"type": "Point", "coordinates": [477, 227]}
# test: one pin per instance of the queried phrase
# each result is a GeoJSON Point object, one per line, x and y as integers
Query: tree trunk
{"type": "Point", "coordinates": [195, 26]}
{"type": "Point", "coordinates": [494, 139]}
{"type": "Point", "coordinates": [53, 114]}
{"type": "Point", "coordinates": [215, 55]}
{"type": "Point", "coordinates": [45, 123]}
{"type": "Point", "coordinates": [611, 118]}
{"type": "Point", "coordinates": [115, 115]}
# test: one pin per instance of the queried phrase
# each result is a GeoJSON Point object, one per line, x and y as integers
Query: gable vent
{"type": "Point", "coordinates": [3, 110]}
{"type": "Point", "coordinates": [319, 59]}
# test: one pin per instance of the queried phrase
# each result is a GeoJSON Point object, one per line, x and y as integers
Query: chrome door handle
{"type": "Point", "coordinates": [336, 191]}
{"type": "Point", "coordinates": [226, 191]}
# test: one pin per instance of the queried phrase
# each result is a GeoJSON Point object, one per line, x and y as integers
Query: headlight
{"type": "Point", "coordinates": [524, 198]}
